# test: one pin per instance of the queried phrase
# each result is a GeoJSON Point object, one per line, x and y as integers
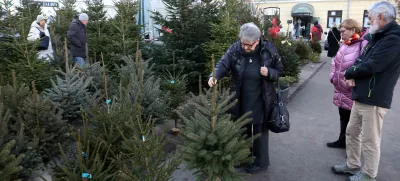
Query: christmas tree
{"type": "Point", "coordinates": [175, 85]}
{"type": "Point", "coordinates": [44, 122]}
{"type": "Point", "coordinates": [137, 75]}
{"type": "Point", "coordinates": [213, 142]}
{"type": "Point", "coordinates": [9, 163]}
{"type": "Point", "coordinates": [90, 160]}
{"type": "Point", "coordinates": [70, 93]}
{"type": "Point", "coordinates": [186, 45]}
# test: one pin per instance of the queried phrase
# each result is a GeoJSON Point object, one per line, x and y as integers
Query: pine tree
{"type": "Point", "coordinates": [213, 142]}
{"type": "Point", "coordinates": [70, 93]}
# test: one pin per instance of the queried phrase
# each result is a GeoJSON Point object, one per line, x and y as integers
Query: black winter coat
{"type": "Point", "coordinates": [234, 61]}
{"type": "Point", "coordinates": [333, 42]}
{"type": "Point", "coordinates": [77, 38]}
{"type": "Point", "coordinates": [377, 70]}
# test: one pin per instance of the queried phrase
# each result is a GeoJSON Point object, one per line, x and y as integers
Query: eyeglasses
{"type": "Point", "coordinates": [248, 45]}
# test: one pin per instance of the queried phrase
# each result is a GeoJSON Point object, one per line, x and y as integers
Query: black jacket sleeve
{"type": "Point", "coordinates": [275, 71]}
{"type": "Point", "coordinates": [72, 35]}
{"type": "Point", "coordinates": [382, 56]}
{"type": "Point", "coordinates": [223, 66]}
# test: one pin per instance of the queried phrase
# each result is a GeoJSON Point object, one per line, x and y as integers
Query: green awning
{"type": "Point", "coordinates": [303, 9]}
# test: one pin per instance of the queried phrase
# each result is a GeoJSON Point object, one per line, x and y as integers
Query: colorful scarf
{"type": "Point", "coordinates": [355, 37]}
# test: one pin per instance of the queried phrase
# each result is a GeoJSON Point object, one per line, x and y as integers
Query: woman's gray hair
{"type": "Point", "coordinates": [250, 32]}
{"type": "Point", "coordinates": [388, 10]}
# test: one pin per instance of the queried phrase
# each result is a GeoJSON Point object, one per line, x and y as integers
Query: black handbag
{"type": "Point", "coordinates": [43, 42]}
{"type": "Point", "coordinates": [279, 118]}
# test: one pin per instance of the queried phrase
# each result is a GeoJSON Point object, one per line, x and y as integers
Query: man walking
{"type": "Point", "coordinates": [373, 78]}
{"type": "Point", "coordinates": [77, 38]}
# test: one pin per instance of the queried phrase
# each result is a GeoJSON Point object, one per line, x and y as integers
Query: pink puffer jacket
{"type": "Point", "coordinates": [344, 58]}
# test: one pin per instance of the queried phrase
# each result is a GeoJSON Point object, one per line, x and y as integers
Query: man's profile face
{"type": "Point", "coordinates": [376, 22]}
{"type": "Point", "coordinates": [249, 46]}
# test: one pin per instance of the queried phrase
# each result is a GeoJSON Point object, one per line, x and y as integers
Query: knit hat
{"type": "Point", "coordinates": [40, 18]}
{"type": "Point", "coordinates": [315, 22]}
{"type": "Point", "coordinates": [83, 17]}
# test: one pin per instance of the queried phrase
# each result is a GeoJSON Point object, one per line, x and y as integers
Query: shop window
{"type": "Point", "coordinates": [334, 16]}
{"type": "Point", "coordinates": [365, 19]}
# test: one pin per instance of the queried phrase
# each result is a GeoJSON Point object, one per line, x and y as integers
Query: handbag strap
{"type": "Point", "coordinates": [278, 92]}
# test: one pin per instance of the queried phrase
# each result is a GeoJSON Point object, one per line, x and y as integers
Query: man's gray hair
{"type": "Point", "coordinates": [250, 32]}
{"type": "Point", "coordinates": [388, 10]}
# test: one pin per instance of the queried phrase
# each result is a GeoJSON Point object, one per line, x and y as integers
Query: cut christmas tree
{"type": "Point", "coordinates": [213, 142]}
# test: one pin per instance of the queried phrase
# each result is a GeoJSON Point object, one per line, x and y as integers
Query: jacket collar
{"type": "Point", "coordinates": [390, 28]}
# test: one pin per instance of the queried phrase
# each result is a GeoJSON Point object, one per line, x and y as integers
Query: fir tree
{"type": "Point", "coordinates": [213, 143]}
{"type": "Point", "coordinates": [9, 163]}
{"type": "Point", "coordinates": [98, 30]}
{"type": "Point", "coordinates": [186, 29]}
{"type": "Point", "coordinates": [44, 121]}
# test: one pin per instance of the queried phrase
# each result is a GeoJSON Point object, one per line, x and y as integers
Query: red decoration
{"type": "Point", "coordinates": [168, 30]}
{"type": "Point", "coordinates": [274, 30]}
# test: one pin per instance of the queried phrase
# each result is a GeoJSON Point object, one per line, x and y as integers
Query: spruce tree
{"type": "Point", "coordinates": [70, 93]}
{"type": "Point", "coordinates": [213, 142]}
{"type": "Point", "coordinates": [89, 159]}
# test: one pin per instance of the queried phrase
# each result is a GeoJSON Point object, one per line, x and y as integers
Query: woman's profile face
{"type": "Point", "coordinates": [346, 33]}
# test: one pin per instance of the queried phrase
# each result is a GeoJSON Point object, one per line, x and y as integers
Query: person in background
{"type": "Point", "coordinates": [373, 78]}
{"type": "Point", "coordinates": [349, 51]}
{"type": "Point", "coordinates": [316, 32]}
{"type": "Point", "coordinates": [39, 31]}
{"type": "Point", "coordinates": [255, 65]}
{"type": "Point", "coordinates": [333, 40]}
{"type": "Point", "coordinates": [77, 38]}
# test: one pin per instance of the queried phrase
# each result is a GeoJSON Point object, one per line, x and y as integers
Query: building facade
{"type": "Point", "coordinates": [298, 16]}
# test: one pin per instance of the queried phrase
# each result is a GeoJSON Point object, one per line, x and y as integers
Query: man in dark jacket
{"type": "Point", "coordinates": [373, 77]}
{"type": "Point", "coordinates": [255, 66]}
{"type": "Point", "coordinates": [77, 38]}
{"type": "Point", "coordinates": [333, 41]}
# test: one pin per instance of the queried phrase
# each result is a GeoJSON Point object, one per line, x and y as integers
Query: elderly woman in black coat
{"type": "Point", "coordinates": [333, 41]}
{"type": "Point", "coordinates": [255, 66]}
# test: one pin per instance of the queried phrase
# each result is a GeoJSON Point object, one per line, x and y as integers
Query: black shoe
{"type": "Point", "coordinates": [255, 169]}
{"type": "Point", "coordinates": [337, 144]}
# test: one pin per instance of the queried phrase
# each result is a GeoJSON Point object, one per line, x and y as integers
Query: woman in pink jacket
{"type": "Point", "coordinates": [349, 51]}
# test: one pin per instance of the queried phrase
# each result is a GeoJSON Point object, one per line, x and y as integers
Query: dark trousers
{"type": "Point", "coordinates": [260, 145]}
{"type": "Point", "coordinates": [344, 120]}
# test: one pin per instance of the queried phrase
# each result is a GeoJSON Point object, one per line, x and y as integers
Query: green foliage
{"type": "Point", "coordinates": [316, 47]}
{"type": "Point", "coordinates": [315, 57]}
{"type": "Point", "coordinates": [90, 155]}
{"type": "Point", "coordinates": [44, 122]}
{"type": "Point", "coordinates": [288, 80]}
{"type": "Point", "coordinates": [70, 93]}
{"type": "Point", "coordinates": [183, 16]}
{"type": "Point", "coordinates": [213, 143]}
{"type": "Point", "coordinates": [137, 75]}
{"type": "Point", "coordinates": [303, 50]}
{"type": "Point", "coordinates": [10, 164]}
{"type": "Point", "coordinates": [174, 84]}
{"type": "Point", "coordinates": [290, 60]}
